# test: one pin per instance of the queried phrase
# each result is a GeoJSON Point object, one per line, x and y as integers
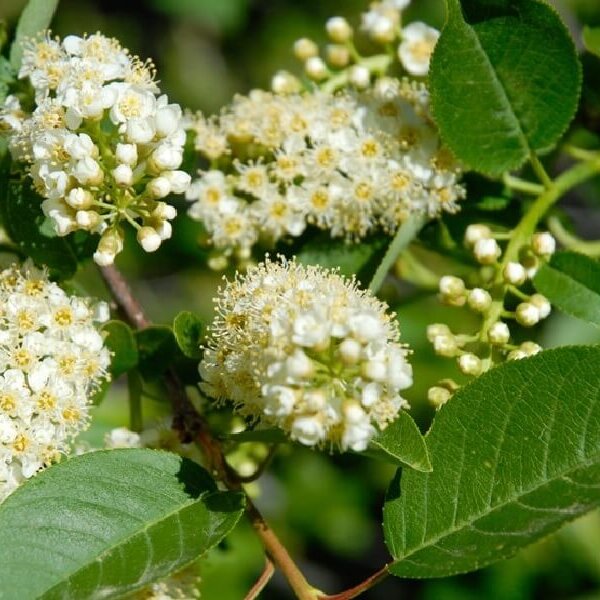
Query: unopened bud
{"type": "Point", "coordinates": [123, 175]}
{"type": "Point", "coordinates": [338, 29]}
{"type": "Point", "coordinates": [159, 187]}
{"type": "Point", "coordinates": [438, 396]}
{"type": "Point", "coordinates": [285, 83]}
{"type": "Point", "coordinates": [469, 364]}
{"type": "Point", "coordinates": [451, 286]}
{"type": "Point", "coordinates": [479, 300]}
{"type": "Point", "coordinates": [350, 351]}
{"type": "Point", "coordinates": [148, 238]}
{"type": "Point", "coordinates": [543, 244]}
{"type": "Point", "coordinates": [476, 232]}
{"type": "Point", "coordinates": [514, 273]}
{"type": "Point", "coordinates": [337, 56]}
{"type": "Point", "coordinates": [436, 329]}
{"type": "Point", "coordinates": [499, 334]}
{"type": "Point", "coordinates": [542, 304]}
{"type": "Point", "coordinates": [79, 199]}
{"type": "Point", "coordinates": [359, 76]}
{"type": "Point", "coordinates": [305, 49]}
{"type": "Point", "coordinates": [315, 68]}
{"type": "Point", "coordinates": [487, 251]}
{"type": "Point", "coordinates": [445, 345]}
{"type": "Point", "coordinates": [527, 314]}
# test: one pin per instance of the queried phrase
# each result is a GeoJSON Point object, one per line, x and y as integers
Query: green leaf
{"type": "Point", "coordinates": [121, 342]}
{"type": "Point", "coordinates": [505, 81]}
{"type": "Point", "coordinates": [591, 39]}
{"type": "Point", "coordinates": [107, 523]}
{"type": "Point", "coordinates": [157, 349]}
{"type": "Point", "coordinates": [22, 217]}
{"type": "Point", "coordinates": [515, 454]}
{"type": "Point", "coordinates": [187, 328]}
{"type": "Point", "coordinates": [401, 442]}
{"type": "Point", "coordinates": [571, 282]}
{"type": "Point", "coordinates": [352, 258]}
{"type": "Point", "coordinates": [35, 17]}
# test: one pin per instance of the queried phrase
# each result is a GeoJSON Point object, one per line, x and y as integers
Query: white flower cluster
{"type": "Point", "coordinates": [102, 146]}
{"type": "Point", "coordinates": [302, 348]}
{"type": "Point", "coordinates": [346, 163]}
{"type": "Point", "coordinates": [51, 360]}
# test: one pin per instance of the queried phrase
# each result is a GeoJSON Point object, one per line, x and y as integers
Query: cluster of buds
{"type": "Point", "coordinates": [303, 349]}
{"type": "Point", "coordinates": [102, 147]}
{"type": "Point", "coordinates": [498, 278]}
{"type": "Point", "coordinates": [382, 24]}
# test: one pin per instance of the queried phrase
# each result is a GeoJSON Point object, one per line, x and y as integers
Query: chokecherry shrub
{"type": "Point", "coordinates": [394, 260]}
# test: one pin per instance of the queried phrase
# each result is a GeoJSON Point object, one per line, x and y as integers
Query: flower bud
{"type": "Point", "coordinates": [543, 244]}
{"type": "Point", "coordinates": [476, 232]}
{"type": "Point", "coordinates": [479, 300]}
{"type": "Point", "coordinates": [337, 56]}
{"type": "Point", "coordinates": [527, 314]}
{"type": "Point", "coordinates": [438, 396]}
{"type": "Point", "coordinates": [87, 219]}
{"type": "Point", "coordinates": [499, 334]}
{"type": "Point", "coordinates": [486, 251]}
{"type": "Point", "coordinates": [383, 30]}
{"type": "Point", "coordinates": [166, 120]}
{"type": "Point", "coordinates": [350, 351]}
{"type": "Point", "coordinates": [88, 172]}
{"type": "Point", "coordinates": [542, 304]}
{"type": "Point", "coordinates": [284, 82]}
{"type": "Point", "coordinates": [148, 238]}
{"type": "Point", "coordinates": [436, 329]}
{"type": "Point", "coordinates": [514, 273]}
{"type": "Point", "coordinates": [451, 286]}
{"type": "Point", "coordinates": [445, 345]}
{"type": "Point", "coordinates": [338, 29]}
{"type": "Point", "coordinates": [79, 199]}
{"type": "Point", "coordinates": [159, 187]}
{"type": "Point", "coordinates": [178, 180]}
{"type": "Point", "coordinates": [123, 175]}
{"type": "Point", "coordinates": [166, 157]}
{"type": "Point", "coordinates": [164, 211]}
{"type": "Point", "coordinates": [359, 76]}
{"type": "Point", "coordinates": [126, 154]}
{"type": "Point", "coordinates": [469, 364]}
{"type": "Point", "coordinates": [530, 348]}
{"type": "Point", "coordinates": [305, 49]}
{"type": "Point", "coordinates": [315, 68]}
{"type": "Point", "coordinates": [140, 131]}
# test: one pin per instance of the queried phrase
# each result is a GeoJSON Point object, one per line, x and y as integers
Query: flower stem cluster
{"type": "Point", "coordinates": [408, 47]}
{"type": "Point", "coordinates": [348, 163]}
{"type": "Point", "coordinates": [52, 358]}
{"type": "Point", "coordinates": [303, 349]}
{"type": "Point", "coordinates": [102, 148]}
{"type": "Point", "coordinates": [502, 294]}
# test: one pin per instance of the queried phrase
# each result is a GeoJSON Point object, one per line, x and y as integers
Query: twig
{"type": "Point", "coordinates": [262, 581]}
{"type": "Point", "coordinates": [361, 587]}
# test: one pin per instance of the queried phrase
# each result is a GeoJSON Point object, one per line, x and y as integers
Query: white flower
{"type": "Point", "coordinates": [350, 164]}
{"type": "Point", "coordinates": [303, 349]}
{"type": "Point", "coordinates": [80, 83]}
{"type": "Point", "coordinates": [52, 359]}
{"type": "Point", "coordinates": [416, 48]}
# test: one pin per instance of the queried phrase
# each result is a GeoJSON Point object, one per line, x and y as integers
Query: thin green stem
{"type": "Point", "coordinates": [262, 581]}
{"type": "Point", "coordinates": [521, 185]}
{"type": "Point", "coordinates": [404, 236]}
{"type": "Point", "coordinates": [361, 587]}
{"type": "Point", "coordinates": [540, 171]}
{"type": "Point", "coordinates": [581, 153]}
{"type": "Point", "coordinates": [376, 64]}
{"type": "Point", "coordinates": [572, 242]}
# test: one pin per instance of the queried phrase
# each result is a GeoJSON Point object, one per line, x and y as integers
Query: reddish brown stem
{"type": "Point", "coordinates": [357, 590]}
{"type": "Point", "coordinates": [262, 581]}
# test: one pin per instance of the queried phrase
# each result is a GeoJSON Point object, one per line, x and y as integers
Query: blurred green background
{"type": "Point", "coordinates": [327, 509]}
